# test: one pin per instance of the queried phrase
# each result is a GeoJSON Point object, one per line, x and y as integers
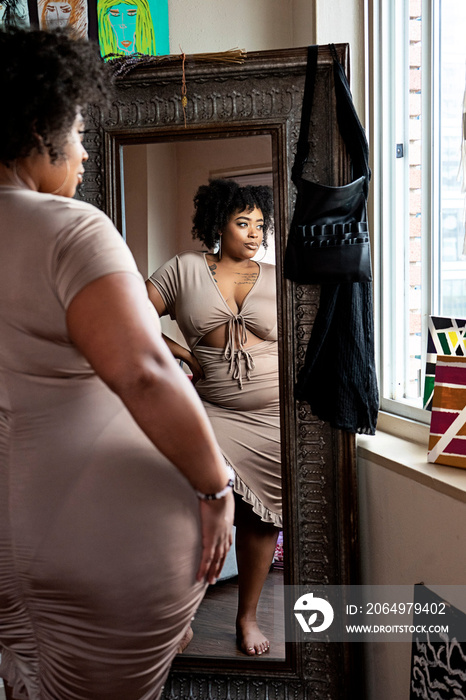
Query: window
{"type": "Point", "coordinates": [418, 59]}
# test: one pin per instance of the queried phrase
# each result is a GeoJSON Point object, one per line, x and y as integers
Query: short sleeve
{"type": "Point", "coordinates": [88, 249]}
{"type": "Point", "coordinates": [166, 279]}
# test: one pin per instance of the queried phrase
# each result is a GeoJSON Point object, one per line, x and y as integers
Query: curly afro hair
{"type": "Point", "coordinates": [216, 202]}
{"type": "Point", "coordinates": [46, 78]}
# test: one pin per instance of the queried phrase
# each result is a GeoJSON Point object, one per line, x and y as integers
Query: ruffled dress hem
{"type": "Point", "coordinates": [243, 490]}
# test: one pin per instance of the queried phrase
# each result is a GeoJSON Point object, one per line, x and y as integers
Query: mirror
{"type": "Point", "coordinates": [259, 100]}
{"type": "Point", "coordinates": [159, 181]}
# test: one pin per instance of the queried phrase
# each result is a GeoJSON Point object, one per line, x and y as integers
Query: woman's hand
{"type": "Point", "coordinates": [195, 367]}
{"type": "Point", "coordinates": [216, 529]}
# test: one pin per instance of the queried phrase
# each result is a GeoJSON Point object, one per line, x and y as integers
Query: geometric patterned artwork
{"type": "Point", "coordinates": [447, 439]}
{"type": "Point", "coordinates": [127, 27]}
{"type": "Point", "coordinates": [445, 336]}
{"type": "Point", "coordinates": [438, 664]}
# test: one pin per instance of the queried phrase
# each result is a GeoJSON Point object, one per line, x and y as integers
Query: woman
{"type": "Point", "coordinates": [106, 536]}
{"type": "Point", "coordinates": [224, 303]}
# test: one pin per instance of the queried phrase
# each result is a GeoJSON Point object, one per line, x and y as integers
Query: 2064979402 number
{"type": "Point", "coordinates": [405, 608]}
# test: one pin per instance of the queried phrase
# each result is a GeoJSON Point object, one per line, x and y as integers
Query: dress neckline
{"type": "Point", "coordinates": [220, 293]}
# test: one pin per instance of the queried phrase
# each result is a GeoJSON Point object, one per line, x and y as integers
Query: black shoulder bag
{"type": "Point", "coordinates": [328, 241]}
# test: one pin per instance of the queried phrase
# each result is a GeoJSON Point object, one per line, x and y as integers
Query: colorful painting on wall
{"type": "Point", "coordinates": [446, 336]}
{"type": "Point", "coordinates": [56, 14]}
{"type": "Point", "coordinates": [447, 439]}
{"type": "Point", "coordinates": [14, 13]}
{"type": "Point", "coordinates": [127, 27]}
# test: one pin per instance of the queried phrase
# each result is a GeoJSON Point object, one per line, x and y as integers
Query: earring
{"type": "Point", "coordinates": [263, 255]}
{"type": "Point", "coordinates": [219, 249]}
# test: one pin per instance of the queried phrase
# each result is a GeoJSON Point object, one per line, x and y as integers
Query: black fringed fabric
{"type": "Point", "coordinates": [338, 378]}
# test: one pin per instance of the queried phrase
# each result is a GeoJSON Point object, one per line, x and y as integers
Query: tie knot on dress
{"type": "Point", "coordinates": [235, 351]}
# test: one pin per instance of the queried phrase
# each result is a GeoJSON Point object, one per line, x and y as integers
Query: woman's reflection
{"type": "Point", "coordinates": [225, 305]}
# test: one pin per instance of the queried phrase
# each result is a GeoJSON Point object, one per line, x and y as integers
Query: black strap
{"type": "Point", "coordinates": [350, 127]}
{"type": "Point", "coordinates": [348, 121]}
{"type": "Point", "coordinates": [302, 148]}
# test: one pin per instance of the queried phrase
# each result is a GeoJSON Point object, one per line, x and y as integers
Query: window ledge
{"type": "Point", "coordinates": [408, 456]}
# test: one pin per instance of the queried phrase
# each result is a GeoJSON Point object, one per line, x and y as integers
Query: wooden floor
{"type": "Point", "coordinates": [214, 625]}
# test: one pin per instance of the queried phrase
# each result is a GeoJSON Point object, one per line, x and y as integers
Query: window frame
{"type": "Point", "coordinates": [388, 61]}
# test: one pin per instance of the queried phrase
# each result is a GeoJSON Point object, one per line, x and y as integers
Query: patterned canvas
{"type": "Point", "coordinates": [447, 440]}
{"type": "Point", "coordinates": [438, 663]}
{"type": "Point", "coordinates": [446, 336]}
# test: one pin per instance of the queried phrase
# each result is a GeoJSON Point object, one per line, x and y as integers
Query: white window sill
{"type": "Point", "coordinates": [401, 446]}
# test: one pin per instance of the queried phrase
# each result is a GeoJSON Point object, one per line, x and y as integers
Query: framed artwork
{"type": "Point", "coordinates": [122, 27]}
{"type": "Point", "coordinates": [14, 13]}
{"type": "Point", "coordinates": [57, 14]}
{"type": "Point", "coordinates": [445, 336]}
{"type": "Point", "coordinates": [126, 27]}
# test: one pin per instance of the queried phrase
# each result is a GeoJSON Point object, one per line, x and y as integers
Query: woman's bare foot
{"type": "Point", "coordinates": [185, 639]}
{"type": "Point", "coordinates": [250, 639]}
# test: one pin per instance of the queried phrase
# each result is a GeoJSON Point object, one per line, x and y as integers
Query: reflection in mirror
{"type": "Point", "coordinates": [159, 183]}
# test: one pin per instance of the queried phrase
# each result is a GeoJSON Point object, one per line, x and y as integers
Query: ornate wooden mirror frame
{"type": "Point", "coordinates": [261, 96]}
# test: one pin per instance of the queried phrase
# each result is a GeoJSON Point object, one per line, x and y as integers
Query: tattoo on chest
{"type": "Point", "coordinates": [241, 278]}
{"type": "Point", "coordinates": [246, 278]}
{"type": "Point", "coordinates": [212, 268]}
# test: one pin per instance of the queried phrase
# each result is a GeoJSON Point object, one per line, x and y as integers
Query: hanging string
{"type": "Point", "coordinates": [184, 99]}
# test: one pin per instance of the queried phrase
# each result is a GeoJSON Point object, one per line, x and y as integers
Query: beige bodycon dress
{"type": "Point", "coordinates": [240, 391]}
{"type": "Point", "coordinates": [99, 533]}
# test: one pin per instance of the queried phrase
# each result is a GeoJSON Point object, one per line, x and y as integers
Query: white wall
{"type": "Point", "coordinates": [162, 202]}
{"type": "Point", "coordinates": [200, 26]}
{"type": "Point", "coordinates": [135, 213]}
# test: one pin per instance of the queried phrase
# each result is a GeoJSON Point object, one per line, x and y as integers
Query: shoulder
{"type": "Point", "coordinates": [63, 217]}
{"type": "Point", "coordinates": [181, 267]}
{"type": "Point", "coordinates": [82, 226]}
{"type": "Point", "coordinates": [267, 270]}
{"type": "Point", "coordinates": [48, 205]}
{"type": "Point", "coordinates": [60, 220]}
{"type": "Point", "coordinates": [191, 257]}
{"type": "Point", "coordinates": [75, 210]}
{"type": "Point", "coordinates": [268, 280]}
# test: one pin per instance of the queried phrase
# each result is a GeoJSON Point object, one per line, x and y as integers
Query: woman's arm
{"type": "Point", "coordinates": [110, 323]}
{"type": "Point", "coordinates": [177, 350]}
